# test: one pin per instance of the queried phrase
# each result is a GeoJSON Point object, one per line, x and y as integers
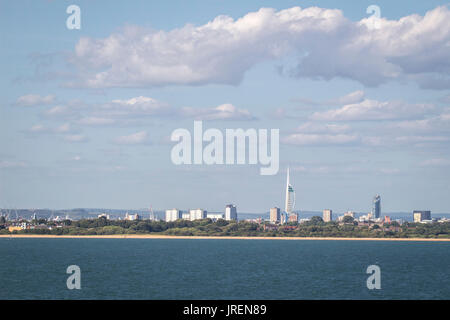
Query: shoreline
{"type": "Point", "coordinates": [148, 236]}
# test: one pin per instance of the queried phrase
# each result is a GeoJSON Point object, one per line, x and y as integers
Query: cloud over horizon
{"type": "Point", "coordinates": [373, 110]}
{"type": "Point", "coordinates": [140, 137]}
{"type": "Point", "coordinates": [31, 100]}
{"type": "Point", "coordinates": [327, 46]}
{"type": "Point", "coordinates": [225, 111]}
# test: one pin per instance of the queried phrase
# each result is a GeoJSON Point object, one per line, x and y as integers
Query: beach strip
{"type": "Point", "coordinates": [151, 236]}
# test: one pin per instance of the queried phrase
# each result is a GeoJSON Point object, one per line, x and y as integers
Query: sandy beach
{"type": "Point", "coordinates": [147, 236]}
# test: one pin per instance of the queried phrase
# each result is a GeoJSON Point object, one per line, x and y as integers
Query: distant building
{"type": "Point", "coordinates": [185, 216]}
{"type": "Point", "coordinates": [387, 219]}
{"type": "Point", "coordinates": [293, 217]}
{"type": "Point", "coordinates": [349, 214]}
{"type": "Point", "coordinates": [275, 215]}
{"type": "Point", "coordinates": [346, 214]}
{"type": "Point", "coordinates": [290, 196]}
{"type": "Point", "coordinates": [214, 216]}
{"type": "Point", "coordinates": [327, 215]}
{"type": "Point", "coordinates": [283, 218]}
{"type": "Point", "coordinates": [365, 218]}
{"type": "Point", "coordinates": [197, 214]}
{"type": "Point", "coordinates": [132, 217]}
{"type": "Point", "coordinates": [376, 206]}
{"type": "Point", "coordinates": [103, 215]}
{"type": "Point", "coordinates": [421, 215]}
{"type": "Point", "coordinates": [257, 220]}
{"type": "Point", "coordinates": [230, 212]}
{"type": "Point", "coordinates": [173, 215]}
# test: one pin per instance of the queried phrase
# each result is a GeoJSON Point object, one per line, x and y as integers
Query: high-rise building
{"type": "Point", "coordinates": [230, 212]}
{"type": "Point", "coordinates": [173, 215]}
{"type": "Point", "coordinates": [283, 218]}
{"type": "Point", "coordinates": [376, 208]}
{"type": "Point", "coordinates": [197, 214]}
{"type": "Point", "coordinates": [290, 196]}
{"type": "Point", "coordinates": [275, 215]}
{"type": "Point", "coordinates": [420, 215]}
{"type": "Point", "coordinates": [327, 215]}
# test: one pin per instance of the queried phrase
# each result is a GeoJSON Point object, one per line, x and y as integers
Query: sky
{"type": "Point", "coordinates": [362, 103]}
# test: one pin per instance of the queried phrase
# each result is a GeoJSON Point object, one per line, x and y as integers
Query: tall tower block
{"type": "Point", "coordinates": [290, 196]}
{"type": "Point", "coordinates": [376, 206]}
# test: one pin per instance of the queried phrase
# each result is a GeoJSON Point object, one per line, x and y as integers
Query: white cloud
{"type": "Point", "coordinates": [314, 127]}
{"type": "Point", "coordinates": [439, 123]}
{"type": "Point", "coordinates": [95, 121]}
{"type": "Point", "coordinates": [38, 128]}
{"type": "Point", "coordinates": [389, 171]}
{"type": "Point", "coordinates": [279, 113]}
{"type": "Point", "coordinates": [445, 99]}
{"type": "Point", "coordinates": [137, 106]}
{"type": "Point", "coordinates": [306, 103]}
{"type": "Point", "coordinates": [30, 100]}
{"type": "Point", "coordinates": [119, 111]}
{"type": "Point", "coordinates": [116, 168]}
{"type": "Point", "coordinates": [343, 168]}
{"type": "Point", "coordinates": [436, 162]}
{"type": "Point", "coordinates": [223, 112]}
{"type": "Point", "coordinates": [421, 139]}
{"type": "Point", "coordinates": [352, 97]}
{"type": "Point", "coordinates": [301, 139]}
{"type": "Point", "coordinates": [12, 164]}
{"type": "Point", "coordinates": [65, 128]}
{"type": "Point", "coordinates": [393, 140]}
{"type": "Point", "coordinates": [59, 112]}
{"type": "Point", "coordinates": [75, 138]}
{"type": "Point", "coordinates": [140, 137]}
{"type": "Point", "coordinates": [373, 110]}
{"type": "Point", "coordinates": [414, 47]}
{"type": "Point", "coordinates": [375, 141]}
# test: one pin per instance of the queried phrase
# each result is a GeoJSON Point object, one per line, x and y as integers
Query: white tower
{"type": "Point", "coordinates": [230, 212]}
{"type": "Point", "coordinates": [290, 196]}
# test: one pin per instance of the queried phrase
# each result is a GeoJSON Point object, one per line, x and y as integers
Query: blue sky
{"type": "Point", "coordinates": [86, 115]}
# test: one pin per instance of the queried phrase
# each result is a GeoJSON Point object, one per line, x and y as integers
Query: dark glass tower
{"type": "Point", "coordinates": [376, 208]}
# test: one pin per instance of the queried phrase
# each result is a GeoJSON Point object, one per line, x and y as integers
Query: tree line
{"type": "Point", "coordinates": [315, 227]}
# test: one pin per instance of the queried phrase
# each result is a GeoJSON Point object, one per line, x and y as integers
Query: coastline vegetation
{"type": "Point", "coordinates": [206, 227]}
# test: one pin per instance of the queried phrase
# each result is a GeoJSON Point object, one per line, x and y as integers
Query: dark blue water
{"type": "Point", "coordinates": [222, 269]}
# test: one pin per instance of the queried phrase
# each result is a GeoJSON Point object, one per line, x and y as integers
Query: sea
{"type": "Point", "coordinates": [36, 268]}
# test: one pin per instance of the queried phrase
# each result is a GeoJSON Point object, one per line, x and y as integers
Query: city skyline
{"type": "Point", "coordinates": [85, 122]}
